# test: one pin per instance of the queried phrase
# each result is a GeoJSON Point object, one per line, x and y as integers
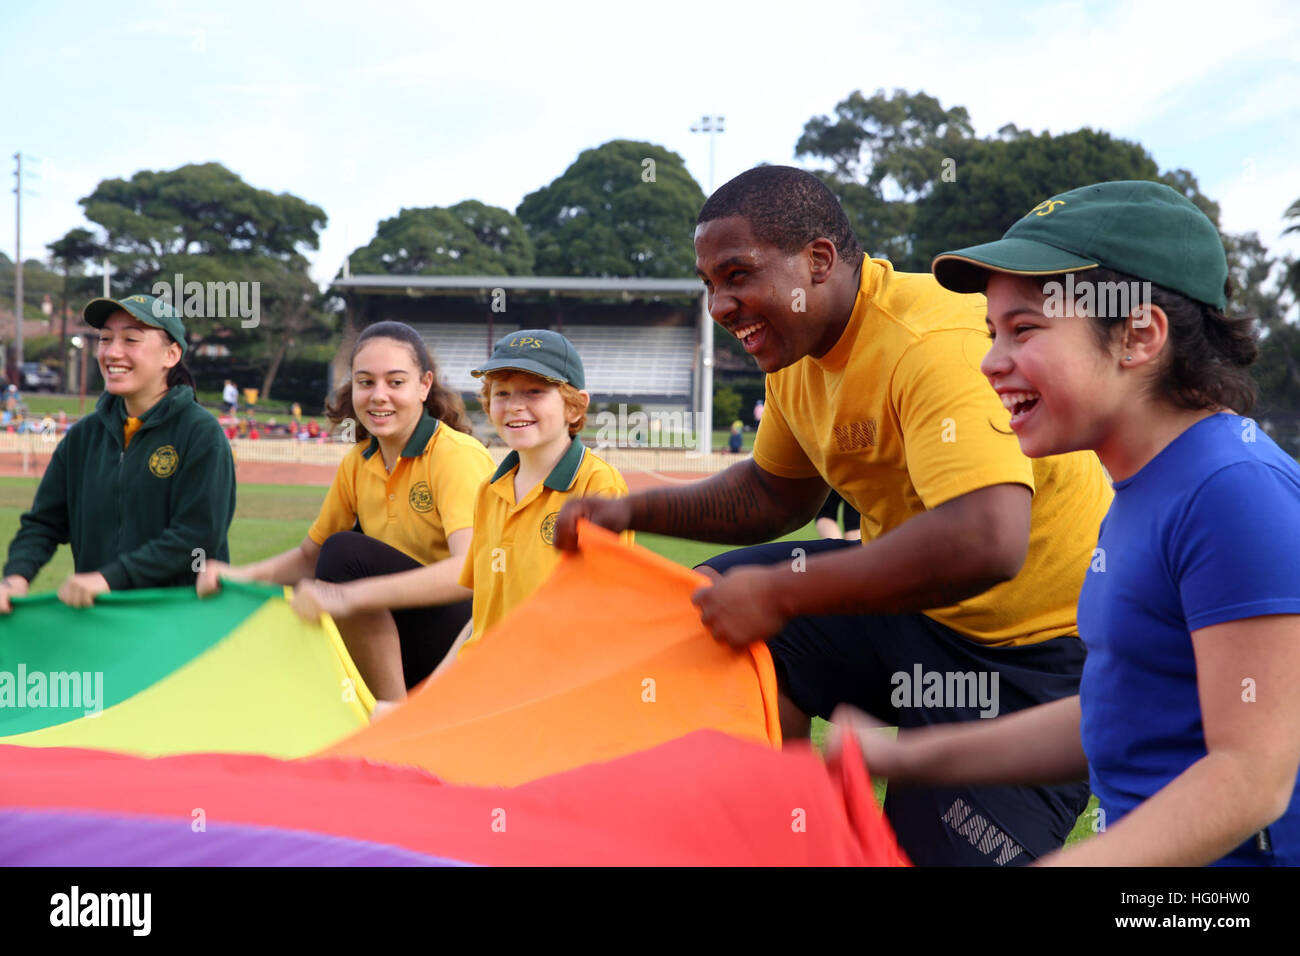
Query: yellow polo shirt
{"type": "Point", "coordinates": [428, 496]}
{"type": "Point", "coordinates": [898, 418]}
{"type": "Point", "coordinates": [514, 544]}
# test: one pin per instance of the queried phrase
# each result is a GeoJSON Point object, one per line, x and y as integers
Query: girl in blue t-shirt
{"type": "Point", "coordinates": [1106, 313]}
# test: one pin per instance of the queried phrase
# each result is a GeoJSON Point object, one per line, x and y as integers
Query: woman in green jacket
{"type": "Point", "coordinates": [144, 487]}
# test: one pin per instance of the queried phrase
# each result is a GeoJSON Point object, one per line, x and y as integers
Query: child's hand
{"type": "Point", "coordinates": [13, 586]}
{"type": "Point", "coordinates": [741, 607]}
{"type": "Point", "coordinates": [312, 598]}
{"type": "Point", "coordinates": [79, 590]}
{"type": "Point", "coordinates": [209, 579]}
{"type": "Point", "coordinates": [882, 753]}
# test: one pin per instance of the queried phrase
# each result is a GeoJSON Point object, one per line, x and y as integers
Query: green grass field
{"type": "Point", "coordinates": [41, 403]}
{"type": "Point", "coordinates": [272, 518]}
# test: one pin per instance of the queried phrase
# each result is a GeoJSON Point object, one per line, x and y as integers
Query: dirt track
{"type": "Point", "coordinates": [258, 472]}
{"type": "Point", "coordinates": [275, 473]}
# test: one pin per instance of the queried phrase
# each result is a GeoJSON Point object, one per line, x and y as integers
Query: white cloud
{"type": "Point", "coordinates": [1255, 197]}
{"type": "Point", "coordinates": [409, 105]}
{"type": "Point", "coordinates": [1273, 97]}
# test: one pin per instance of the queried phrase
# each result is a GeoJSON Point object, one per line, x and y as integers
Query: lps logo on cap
{"type": "Point", "coordinates": [1046, 207]}
{"type": "Point", "coordinates": [525, 341]}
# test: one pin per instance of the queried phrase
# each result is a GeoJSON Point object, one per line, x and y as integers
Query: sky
{"type": "Point", "coordinates": [367, 108]}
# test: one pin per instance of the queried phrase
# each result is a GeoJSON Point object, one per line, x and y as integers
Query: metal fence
{"type": "Point", "coordinates": [34, 447]}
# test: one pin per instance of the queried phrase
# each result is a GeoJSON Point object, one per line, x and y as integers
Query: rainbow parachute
{"type": "Point", "coordinates": [598, 723]}
{"type": "Point", "coordinates": [162, 672]}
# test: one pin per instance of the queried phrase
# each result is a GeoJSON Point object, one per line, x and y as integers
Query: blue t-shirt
{"type": "Point", "coordinates": [1207, 532]}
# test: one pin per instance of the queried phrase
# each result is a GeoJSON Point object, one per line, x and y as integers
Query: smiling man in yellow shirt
{"type": "Point", "coordinates": [959, 601]}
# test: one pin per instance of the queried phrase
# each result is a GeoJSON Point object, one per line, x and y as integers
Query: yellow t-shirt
{"type": "Point", "coordinates": [898, 418]}
{"type": "Point", "coordinates": [514, 544]}
{"type": "Point", "coordinates": [129, 428]}
{"type": "Point", "coordinates": [428, 496]}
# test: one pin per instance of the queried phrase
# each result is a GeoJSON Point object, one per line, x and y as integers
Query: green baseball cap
{"type": "Point", "coordinates": [1143, 229]}
{"type": "Point", "coordinates": [539, 351]}
{"type": "Point", "coordinates": [145, 308]}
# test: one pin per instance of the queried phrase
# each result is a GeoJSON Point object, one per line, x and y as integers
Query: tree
{"type": "Point", "coordinates": [469, 238]}
{"type": "Point", "coordinates": [1256, 289]}
{"type": "Point", "coordinates": [38, 282]}
{"type": "Point", "coordinates": [205, 223]}
{"type": "Point", "coordinates": [1183, 181]}
{"type": "Point", "coordinates": [1292, 212]}
{"type": "Point", "coordinates": [1001, 179]}
{"type": "Point", "coordinates": [157, 219]}
{"type": "Point", "coordinates": [1261, 290]}
{"type": "Point", "coordinates": [883, 227]}
{"type": "Point", "coordinates": [884, 154]}
{"type": "Point", "coordinates": [1293, 268]}
{"type": "Point", "coordinates": [726, 406]}
{"type": "Point", "coordinates": [915, 181]}
{"type": "Point", "coordinates": [499, 231]}
{"type": "Point", "coordinates": [73, 251]}
{"type": "Point", "coordinates": [1279, 385]}
{"type": "Point", "coordinates": [901, 140]}
{"type": "Point", "coordinates": [622, 209]}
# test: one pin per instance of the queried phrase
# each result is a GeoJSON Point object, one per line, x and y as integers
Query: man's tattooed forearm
{"type": "Point", "coordinates": [726, 510]}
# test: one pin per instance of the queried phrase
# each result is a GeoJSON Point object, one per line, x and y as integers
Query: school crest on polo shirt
{"type": "Point", "coordinates": [421, 498]}
{"type": "Point", "coordinates": [548, 527]}
{"type": "Point", "coordinates": [163, 462]}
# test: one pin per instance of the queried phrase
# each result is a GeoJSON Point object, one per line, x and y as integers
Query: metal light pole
{"type": "Point", "coordinates": [711, 125]}
{"type": "Point", "coordinates": [18, 261]}
{"type": "Point", "coordinates": [79, 344]}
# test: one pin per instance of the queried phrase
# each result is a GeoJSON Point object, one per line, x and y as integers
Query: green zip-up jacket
{"type": "Point", "coordinates": [137, 514]}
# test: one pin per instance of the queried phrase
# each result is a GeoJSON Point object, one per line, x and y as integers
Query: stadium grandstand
{"type": "Point", "coordinates": [641, 340]}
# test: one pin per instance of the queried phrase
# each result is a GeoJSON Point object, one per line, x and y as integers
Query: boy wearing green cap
{"type": "Point", "coordinates": [1186, 716]}
{"type": "Point", "coordinates": [143, 488]}
{"type": "Point", "coordinates": [533, 391]}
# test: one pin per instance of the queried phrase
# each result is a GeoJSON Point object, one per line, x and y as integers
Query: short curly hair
{"type": "Point", "coordinates": [574, 401]}
{"type": "Point", "coordinates": [787, 208]}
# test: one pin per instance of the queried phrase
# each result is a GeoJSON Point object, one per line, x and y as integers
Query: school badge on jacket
{"type": "Point", "coordinates": [164, 461]}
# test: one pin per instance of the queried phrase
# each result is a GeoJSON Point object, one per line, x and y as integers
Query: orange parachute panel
{"type": "Point", "coordinates": [607, 658]}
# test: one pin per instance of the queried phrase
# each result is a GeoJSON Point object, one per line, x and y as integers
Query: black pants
{"type": "Point", "coordinates": [426, 633]}
{"type": "Point", "coordinates": [911, 671]}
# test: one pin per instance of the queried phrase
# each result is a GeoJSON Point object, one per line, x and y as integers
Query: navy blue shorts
{"type": "Point", "coordinates": [911, 671]}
